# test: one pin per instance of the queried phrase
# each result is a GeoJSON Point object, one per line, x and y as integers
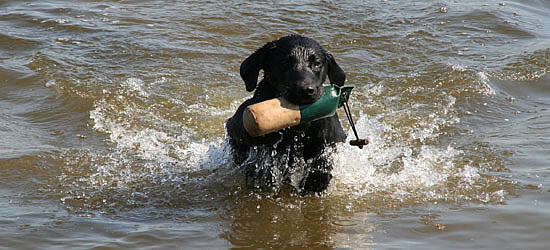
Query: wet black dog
{"type": "Point", "coordinates": [294, 67]}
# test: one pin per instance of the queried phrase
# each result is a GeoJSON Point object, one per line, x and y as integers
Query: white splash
{"type": "Point", "coordinates": [136, 85]}
{"type": "Point", "coordinates": [486, 87]}
{"type": "Point", "coordinates": [400, 168]}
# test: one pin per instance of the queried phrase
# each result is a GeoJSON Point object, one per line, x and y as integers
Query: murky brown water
{"type": "Point", "coordinates": [112, 125]}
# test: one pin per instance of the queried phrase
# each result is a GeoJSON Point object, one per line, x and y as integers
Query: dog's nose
{"type": "Point", "coordinates": [309, 90]}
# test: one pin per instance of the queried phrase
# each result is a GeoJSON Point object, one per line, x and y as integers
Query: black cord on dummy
{"type": "Point", "coordinates": [358, 142]}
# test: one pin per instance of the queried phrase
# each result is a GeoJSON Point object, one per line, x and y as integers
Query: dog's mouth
{"type": "Point", "coordinates": [305, 96]}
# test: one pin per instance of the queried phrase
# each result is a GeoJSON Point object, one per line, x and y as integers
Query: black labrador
{"type": "Point", "coordinates": [294, 67]}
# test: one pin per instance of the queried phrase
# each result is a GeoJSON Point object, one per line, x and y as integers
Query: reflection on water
{"type": "Point", "coordinates": [112, 120]}
{"type": "Point", "coordinates": [263, 221]}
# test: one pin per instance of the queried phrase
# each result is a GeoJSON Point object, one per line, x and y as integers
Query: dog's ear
{"type": "Point", "coordinates": [250, 68]}
{"type": "Point", "coordinates": [335, 74]}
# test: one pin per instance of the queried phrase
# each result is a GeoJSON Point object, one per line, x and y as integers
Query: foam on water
{"type": "Point", "coordinates": [397, 168]}
{"type": "Point", "coordinates": [136, 130]}
{"type": "Point", "coordinates": [153, 159]}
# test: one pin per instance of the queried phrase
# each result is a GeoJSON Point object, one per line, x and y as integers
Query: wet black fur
{"type": "Point", "coordinates": [294, 67]}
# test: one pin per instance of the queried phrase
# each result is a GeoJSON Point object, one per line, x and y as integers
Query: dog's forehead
{"type": "Point", "coordinates": [298, 47]}
{"type": "Point", "coordinates": [302, 51]}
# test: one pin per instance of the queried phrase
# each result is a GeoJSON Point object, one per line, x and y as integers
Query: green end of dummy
{"type": "Point", "coordinates": [334, 97]}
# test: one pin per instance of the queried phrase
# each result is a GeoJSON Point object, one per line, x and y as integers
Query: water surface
{"type": "Point", "coordinates": [112, 125]}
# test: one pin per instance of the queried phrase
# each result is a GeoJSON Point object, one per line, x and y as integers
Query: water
{"type": "Point", "coordinates": [112, 125]}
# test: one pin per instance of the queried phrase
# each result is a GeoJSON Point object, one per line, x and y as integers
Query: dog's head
{"type": "Point", "coordinates": [295, 67]}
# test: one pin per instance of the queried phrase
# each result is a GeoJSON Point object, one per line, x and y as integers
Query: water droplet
{"type": "Point", "coordinates": [50, 83]}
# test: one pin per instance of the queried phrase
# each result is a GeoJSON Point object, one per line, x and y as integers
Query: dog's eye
{"type": "Point", "coordinates": [315, 64]}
